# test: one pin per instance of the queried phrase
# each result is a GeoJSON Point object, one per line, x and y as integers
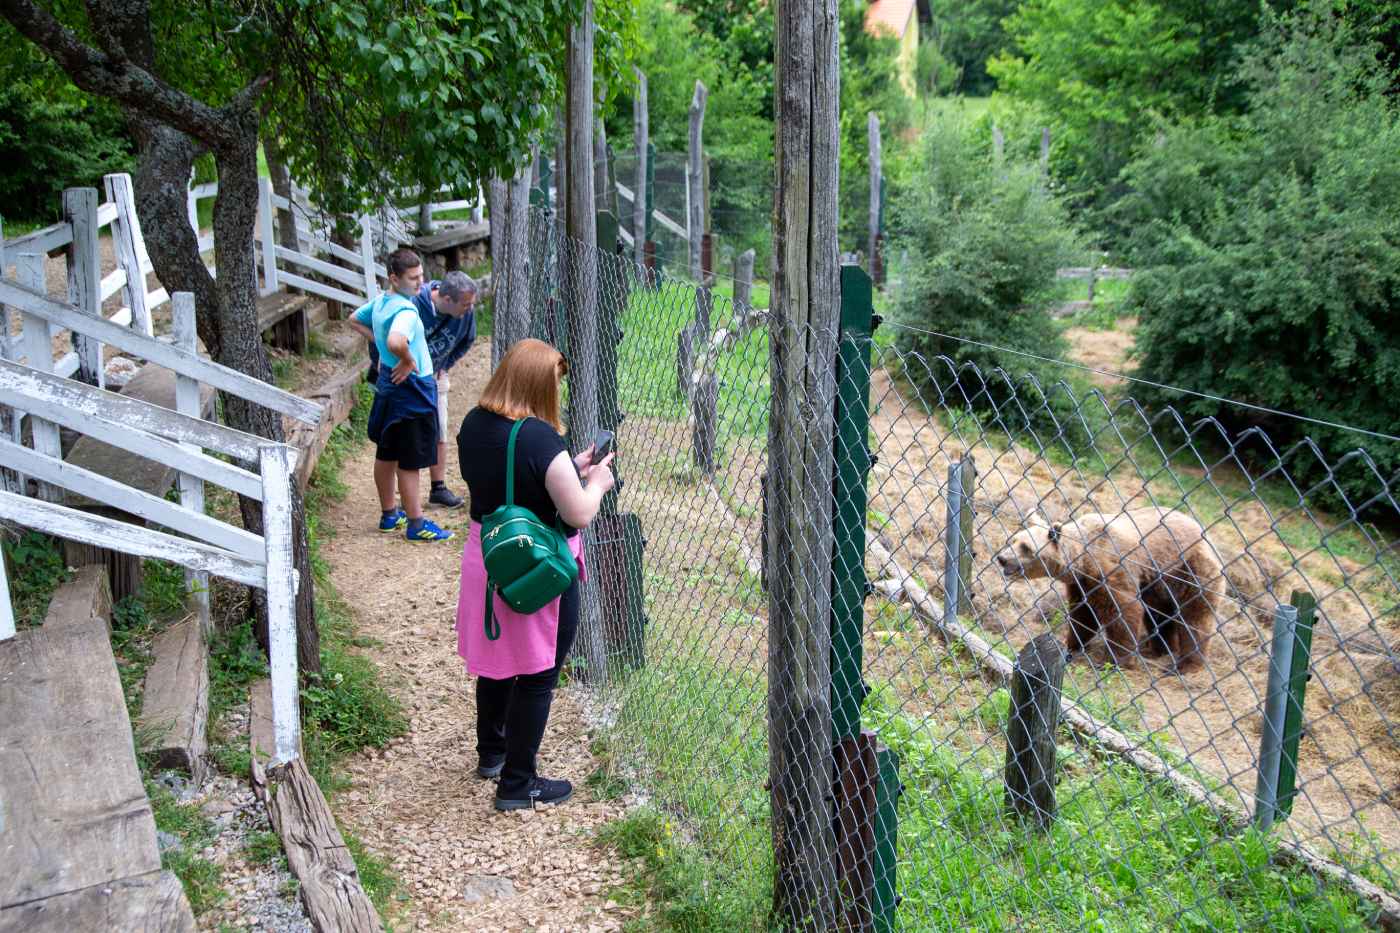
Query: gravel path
{"type": "Point", "coordinates": [419, 802]}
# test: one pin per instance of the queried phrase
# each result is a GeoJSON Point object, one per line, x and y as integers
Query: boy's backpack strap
{"type": "Point", "coordinates": [510, 462]}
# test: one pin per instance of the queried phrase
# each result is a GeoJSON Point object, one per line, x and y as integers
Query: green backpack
{"type": "Point", "coordinates": [527, 562]}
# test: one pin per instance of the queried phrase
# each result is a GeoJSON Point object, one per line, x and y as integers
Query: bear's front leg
{"type": "Point", "coordinates": [1123, 631]}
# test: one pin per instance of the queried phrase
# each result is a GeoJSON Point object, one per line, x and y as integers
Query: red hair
{"type": "Point", "coordinates": [526, 384]}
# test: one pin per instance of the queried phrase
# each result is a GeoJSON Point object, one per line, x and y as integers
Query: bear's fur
{"type": "Point", "coordinates": [1147, 578]}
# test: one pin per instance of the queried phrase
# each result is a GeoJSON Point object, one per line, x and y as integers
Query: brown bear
{"type": "Point", "coordinates": [1147, 578]}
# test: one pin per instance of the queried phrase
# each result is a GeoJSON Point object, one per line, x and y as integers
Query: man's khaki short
{"type": "Point", "coordinates": [444, 384]}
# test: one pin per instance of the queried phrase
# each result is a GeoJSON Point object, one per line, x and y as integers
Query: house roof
{"type": "Point", "coordinates": [889, 16]}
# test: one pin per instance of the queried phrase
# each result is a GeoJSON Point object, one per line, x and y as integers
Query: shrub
{"type": "Point", "coordinates": [984, 242]}
{"type": "Point", "coordinates": [52, 138]}
{"type": "Point", "coordinates": [1269, 254]}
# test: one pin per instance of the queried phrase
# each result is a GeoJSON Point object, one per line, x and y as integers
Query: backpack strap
{"type": "Point", "coordinates": [510, 462]}
{"type": "Point", "coordinates": [493, 628]}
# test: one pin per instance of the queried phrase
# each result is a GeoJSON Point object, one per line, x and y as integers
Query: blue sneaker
{"type": "Point", "coordinates": [428, 531]}
{"type": "Point", "coordinates": [393, 521]}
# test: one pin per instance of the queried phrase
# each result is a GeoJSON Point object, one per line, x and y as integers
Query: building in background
{"type": "Point", "coordinates": [898, 19]}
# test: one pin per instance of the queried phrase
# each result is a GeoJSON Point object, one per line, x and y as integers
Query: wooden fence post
{"type": "Point", "coordinates": [806, 308]}
{"type": "Point", "coordinates": [267, 223]}
{"type": "Point", "coordinates": [192, 205]}
{"type": "Point", "coordinates": [1036, 681]}
{"type": "Point", "coordinates": [957, 571]}
{"type": "Point", "coordinates": [640, 131]}
{"type": "Point", "coordinates": [695, 205]}
{"type": "Point", "coordinates": [705, 406]}
{"type": "Point", "coordinates": [85, 277]}
{"type": "Point", "coordinates": [872, 259]}
{"type": "Point", "coordinates": [187, 402]}
{"type": "Point", "coordinates": [276, 468]}
{"type": "Point", "coordinates": [579, 258]}
{"type": "Point", "coordinates": [510, 220]}
{"type": "Point", "coordinates": [367, 258]}
{"type": "Point", "coordinates": [743, 292]}
{"type": "Point", "coordinates": [130, 248]}
{"type": "Point", "coordinates": [37, 344]}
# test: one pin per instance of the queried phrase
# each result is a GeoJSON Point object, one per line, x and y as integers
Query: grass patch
{"type": "Point", "coordinates": [200, 877]}
{"type": "Point", "coordinates": [35, 569]}
{"type": "Point", "coordinates": [376, 877]}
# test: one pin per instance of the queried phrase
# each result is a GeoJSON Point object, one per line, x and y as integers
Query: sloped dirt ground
{"type": "Point", "coordinates": [419, 803]}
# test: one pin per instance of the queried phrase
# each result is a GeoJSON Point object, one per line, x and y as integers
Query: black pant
{"type": "Point", "coordinates": [511, 714]}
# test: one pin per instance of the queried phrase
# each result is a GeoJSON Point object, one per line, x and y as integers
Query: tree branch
{"type": "Point", "coordinates": [118, 79]}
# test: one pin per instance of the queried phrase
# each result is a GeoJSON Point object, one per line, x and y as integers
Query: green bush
{"type": "Point", "coordinates": [51, 138]}
{"type": "Point", "coordinates": [1269, 255]}
{"type": "Point", "coordinates": [983, 241]}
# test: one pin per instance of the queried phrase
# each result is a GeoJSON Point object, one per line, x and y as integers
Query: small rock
{"type": "Point", "coordinates": [168, 842]}
{"type": "Point", "coordinates": [486, 887]}
{"type": "Point", "coordinates": [119, 371]}
{"type": "Point", "coordinates": [216, 808]}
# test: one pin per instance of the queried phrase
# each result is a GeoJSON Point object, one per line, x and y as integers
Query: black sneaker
{"type": "Point", "coordinates": [492, 771]}
{"type": "Point", "coordinates": [444, 497]}
{"type": "Point", "coordinates": [542, 792]}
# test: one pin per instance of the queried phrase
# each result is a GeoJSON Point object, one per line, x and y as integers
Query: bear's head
{"type": "Point", "coordinates": [1033, 552]}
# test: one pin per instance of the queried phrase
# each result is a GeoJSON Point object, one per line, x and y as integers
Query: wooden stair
{"type": "Point", "coordinates": [77, 835]}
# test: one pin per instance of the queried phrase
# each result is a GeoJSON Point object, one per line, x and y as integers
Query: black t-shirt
{"type": "Point", "coordinates": [481, 454]}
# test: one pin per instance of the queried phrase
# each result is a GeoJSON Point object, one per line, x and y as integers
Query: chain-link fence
{"type": "Point", "coordinates": [986, 511]}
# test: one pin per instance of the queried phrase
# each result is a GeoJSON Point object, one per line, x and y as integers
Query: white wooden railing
{"type": "Point", "coordinates": [180, 439]}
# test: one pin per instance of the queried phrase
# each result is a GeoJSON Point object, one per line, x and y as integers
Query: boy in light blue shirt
{"type": "Point", "coordinates": [404, 419]}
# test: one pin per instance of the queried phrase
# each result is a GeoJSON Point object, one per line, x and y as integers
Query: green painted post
{"type": "Point", "coordinates": [852, 466]}
{"type": "Point", "coordinates": [887, 793]}
{"type": "Point", "coordinates": [1298, 677]}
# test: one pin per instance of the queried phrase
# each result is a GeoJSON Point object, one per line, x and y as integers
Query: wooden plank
{"type": "Point", "coordinates": [365, 260]}
{"type": "Point", "coordinates": [660, 218]}
{"type": "Point", "coordinates": [113, 494]}
{"type": "Point", "coordinates": [130, 539]}
{"type": "Point", "coordinates": [130, 247]}
{"type": "Point", "coordinates": [87, 412]}
{"type": "Point", "coordinates": [42, 241]}
{"type": "Point", "coordinates": [175, 703]}
{"type": "Point", "coordinates": [151, 903]}
{"type": "Point", "coordinates": [457, 235]}
{"type": "Point", "coordinates": [85, 279]}
{"type": "Point", "coordinates": [277, 464]}
{"type": "Point", "coordinates": [162, 354]}
{"type": "Point", "coordinates": [316, 852]}
{"type": "Point", "coordinates": [350, 277]}
{"type": "Point", "coordinates": [7, 609]}
{"type": "Point", "coordinates": [112, 283]}
{"type": "Point", "coordinates": [336, 398]}
{"type": "Point", "coordinates": [75, 813]}
{"type": "Point", "coordinates": [266, 221]}
{"type": "Point", "coordinates": [321, 288]}
{"type": "Point", "coordinates": [37, 343]}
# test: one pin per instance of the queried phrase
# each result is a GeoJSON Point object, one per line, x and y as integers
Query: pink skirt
{"type": "Point", "coordinates": [527, 643]}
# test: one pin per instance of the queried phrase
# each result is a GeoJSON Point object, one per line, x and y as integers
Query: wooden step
{"type": "Point", "coordinates": [175, 703]}
{"type": "Point", "coordinates": [74, 817]}
{"type": "Point", "coordinates": [316, 852]}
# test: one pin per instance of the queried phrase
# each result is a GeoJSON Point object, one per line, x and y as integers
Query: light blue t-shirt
{"type": "Point", "coordinates": [393, 313]}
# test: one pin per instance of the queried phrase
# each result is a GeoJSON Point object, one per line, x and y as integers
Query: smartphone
{"type": "Point", "coordinates": [602, 445]}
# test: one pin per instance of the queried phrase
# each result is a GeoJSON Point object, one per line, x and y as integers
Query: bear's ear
{"type": "Point", "coordinates": [1055, 533]}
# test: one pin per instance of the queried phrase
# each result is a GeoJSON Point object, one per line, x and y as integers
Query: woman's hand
{"type": "Point", "coordinates": [599, 475]}
{"type": "Point", "coordinates": [584, 460]}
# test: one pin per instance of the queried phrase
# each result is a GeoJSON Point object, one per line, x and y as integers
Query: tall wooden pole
{"type": "Point", "coordinates": [510, 229]}
{"type": "Point", "coordinates": [806, 312]}
{"type": "Point", "coordinates": [580, 286]}
{"type": "Point", "coordinates": [640, 137]}
{"type": "Point", "coordinates": [694, 178]}
{"type": "Point", "coordinates": [875, 175]}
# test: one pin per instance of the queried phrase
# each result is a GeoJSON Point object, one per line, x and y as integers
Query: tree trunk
{"type": "Point", "coordinates": [226, 308]}
{"type": "Point", "coordinates": [282, 184]}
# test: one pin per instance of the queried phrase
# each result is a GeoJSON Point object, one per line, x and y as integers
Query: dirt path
{"type": "Point", "coordinates": [419, 802]}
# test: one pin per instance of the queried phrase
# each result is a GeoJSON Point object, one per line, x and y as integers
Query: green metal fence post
{"type": "Point", "coordinates": [1298, 678]}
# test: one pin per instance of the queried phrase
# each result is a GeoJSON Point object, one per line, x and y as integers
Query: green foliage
{"type": "Point", "coordinates": [967, 35]}
{"type": "Point", "coordinates": [984, 242]}
{"type": "Point", "coordinates": [1269, 250]}
{"type": "Point", "coordinates": [51, 136]}
{"type": "Point", "coordinates": [376, 876]}
{"type": "Point", "coordinates": [1105, 71]}
{"type": "Point", "coordinates": [35, 568]}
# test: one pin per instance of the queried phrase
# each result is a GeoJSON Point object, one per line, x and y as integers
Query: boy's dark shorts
{"type": "Point", "coordinates": [412, 443]}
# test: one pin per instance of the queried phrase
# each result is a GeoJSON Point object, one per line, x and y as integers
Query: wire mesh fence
{"type": "Point", "coordinates": [993, 510]}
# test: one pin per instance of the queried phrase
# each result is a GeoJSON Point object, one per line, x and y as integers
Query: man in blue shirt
{"type": "Point", "coordinates": [449, 323]}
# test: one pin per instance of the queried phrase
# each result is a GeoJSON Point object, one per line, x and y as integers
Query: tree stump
{"type": "Point", "coordinates": [1030, 732]}
{"type": "Point", "coordinates": [706, 407]}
